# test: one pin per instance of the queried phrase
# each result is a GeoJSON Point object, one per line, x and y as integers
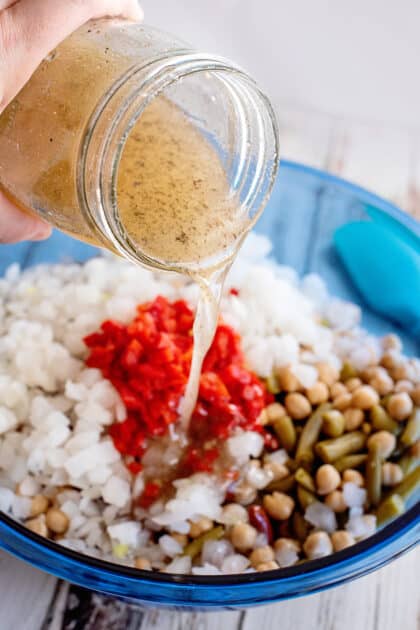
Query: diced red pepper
{"type": "Point", "coordinates": [150, 493]}
{"type": "Point", "coordinates": [148, 362]}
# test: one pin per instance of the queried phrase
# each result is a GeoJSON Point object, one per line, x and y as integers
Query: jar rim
{"type": "Point", "coordinates": [149, 81]}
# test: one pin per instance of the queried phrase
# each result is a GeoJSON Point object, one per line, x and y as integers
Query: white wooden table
{"type": "Point", "coordinates": [387, 161]}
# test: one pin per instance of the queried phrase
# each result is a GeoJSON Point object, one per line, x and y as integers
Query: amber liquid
{"type": "Point", "coordinates": [175, 204]}
{"type": "Point", "coordinates": [173, 195]}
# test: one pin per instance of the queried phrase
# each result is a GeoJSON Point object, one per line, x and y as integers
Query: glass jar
{"type": "Point", "coordinates": [123, 125]}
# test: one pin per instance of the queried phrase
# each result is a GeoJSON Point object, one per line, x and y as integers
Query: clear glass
{"type": "Point", "coordinates": [62, 138]}
{"type": "Point", "coordinates": [305, 209]}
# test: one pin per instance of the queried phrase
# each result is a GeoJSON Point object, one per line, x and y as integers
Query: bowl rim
{"type": "Point", "coordinates": [397, 529]}
{"type": "Point", "coordinates": [386, 206]}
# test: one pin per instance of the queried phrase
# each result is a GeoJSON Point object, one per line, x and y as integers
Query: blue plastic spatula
{"type": "Point", "coordinates": [385, 269]}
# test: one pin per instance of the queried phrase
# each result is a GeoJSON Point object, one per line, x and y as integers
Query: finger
{"type": "Point", "coordinates": [4, 4]}
{"type": "Point", "coordinates": [30, 29]}
{"type": "Point", "coordinates": [17, 226]}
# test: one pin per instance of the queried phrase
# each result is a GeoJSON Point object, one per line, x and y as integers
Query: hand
{"type": "Point", "coordinates": [29, 30]}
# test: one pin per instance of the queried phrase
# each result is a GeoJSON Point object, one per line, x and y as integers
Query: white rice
{"type": "Point", "coordinates": [321, 517]}
{"type": "Point", "coordinates": [353, 495]}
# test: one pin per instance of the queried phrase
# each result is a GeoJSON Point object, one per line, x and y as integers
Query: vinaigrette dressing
{"type": "Point", "coordinates": [175, 204]}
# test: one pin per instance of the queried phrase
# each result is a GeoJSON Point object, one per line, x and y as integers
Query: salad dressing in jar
{"type": "Point", "coordinates": [129, 139]}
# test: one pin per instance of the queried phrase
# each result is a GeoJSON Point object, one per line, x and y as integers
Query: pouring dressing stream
{"type": "Point", "coordinates": [175, 202]}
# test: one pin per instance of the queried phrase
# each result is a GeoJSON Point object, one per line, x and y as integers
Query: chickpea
{"type": "Point", "coordinates": [391, 359]}
{"type": "Point", "coordinates": [401, 371]}
{"type": "Point", "coordinates": [400, 406]}
{"type": "Point", "coordinates": [274, 412]}
{"type": "Point", "coordinates": [327, 479]}
{"type": "Point", "coordinates": [261, 555]}
{"type": "Point", "coordinates": [233, 513]}
{"type": "Point", "coordinates": [57, 521]}
{"type": "Point", "coordinates": [287, 381]}
{"type": "Point", "coordinates": [403, 386]}
{"type": "Point", "coordinates": [197, 528]}
{"type": "Point", "coordinates": [244, 493]}
{"type": "Point", "coordinates": [38, 525]}
{"type": "Point", "coordinates": [382, 441]}
{"type": "Point", "coordinates": [39, 505]}
{"type": "Point", "coordinates": [243, 536]}
{"type": "Point", "coordinates": [382, 384]}
{"type": "Point", "coordinates": [317, 545]}
{"type": "Point", "coordinates": [278, 505]}
{"type": "Point", "coordinates": [415, 395]}
{"type": "Point", "coordinates": [370, 372]}
{"type": "Point", "coordinates": [341, 539]}
{"type": "Point", "coordinates": [353, 418]}
{"type": "Point", "coordinates": [391, 342]}
{"type": "Point", "coordinates": [278, 471]}
{"type": "Point", "coordinates": [335, 501]}
{"type": "Point", "coordinates": [267, 566]}
{"type": "Point", "coordinates": [318, 393]}
{"type": "Point", "coordinates": [343, 401]}
{"type": "Point", "coordinates": [353, 383]}
{"type": "Point", "coordinates": [298, 406]}
{"type": "Point", "coordinates": [337, 389]}
{"type": "Point", "coordinates": [181, 539]}
{"type": "Point", "coordinates": [327, 373]}
{"type": "Point", "coordinates": [353, 476]}
{"type": "Point", "coordinates": [143, 564]}
{"type": "Point", "coordinates": [282, 544]}
{"type": "Point", "coordinates": [391, 474]}
{"type": "Point", "coordinates": [365, 397]}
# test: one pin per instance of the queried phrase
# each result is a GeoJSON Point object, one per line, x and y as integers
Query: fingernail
{"type": "Point", "coordinates": [41, 231]}
{"type": "Point", "coordinates": [137, 12]}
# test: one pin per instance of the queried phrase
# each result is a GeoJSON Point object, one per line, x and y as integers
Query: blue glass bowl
{"type": "Point", "coordinates": [305, 209]}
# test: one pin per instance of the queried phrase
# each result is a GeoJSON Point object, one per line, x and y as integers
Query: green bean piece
{"type": "Point", "coordinates": [272, 384]}
{"type": "Point", "coordinates": [347, 371]}
{"type": "Point", "coordinates": [304, 479]}
{"type": "Point", "coordinates": [195, 546]}
{"type": "Point", "coordinates": [281, 485]}
{"type": "Point", "coordinates": [309, 436]}
{"type": "Point", "coordinates": [382, 421]}
{"type": "Point", "coordinates": [300, 526]}
{"type": "Point", "coordinates": [333, 423]}
{"type": "Point", "coordinates": [350, 461]}
{"type": "Point", "coordinates": [286, 432]}
{"type": "Point", "coordinates": [411, 432]}
{"type": "Point", "coordinates": [389, 508]}
{"type": "Point", "coordinates": [408, 463]}
{"type": "Point", "coordinates": [331, 450]}
{"type": "Point", "coordinates": [305, 497]}
{"type": "Point", "coordinates": [374, 476]}
{"type": "Point", "coordinates": [409, 485]}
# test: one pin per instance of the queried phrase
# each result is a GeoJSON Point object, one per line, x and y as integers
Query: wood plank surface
{"type": "Point", "coordinates": [385, 600]}
{"type": "Point", "coordinates": [387, 161]}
